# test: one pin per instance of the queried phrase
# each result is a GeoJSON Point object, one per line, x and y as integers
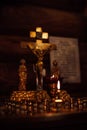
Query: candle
{"type": "Point", "coordinates": [58, 86]}
{"type": "Point", "coordinates": [58, 97]}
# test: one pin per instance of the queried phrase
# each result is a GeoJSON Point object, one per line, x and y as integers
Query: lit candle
{"type": "Point", "coordinates": [58, 86]}
{"type": "Point", "coordinates": [58, 98]}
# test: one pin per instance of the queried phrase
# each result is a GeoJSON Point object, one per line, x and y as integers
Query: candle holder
{"type": "Point", "coordinates": [58, 102]}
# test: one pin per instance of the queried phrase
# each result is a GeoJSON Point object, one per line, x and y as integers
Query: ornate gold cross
{"type": "Point", "coordinates": [39, 35]}
{"type": "Point", "coordinates": [39, 48]}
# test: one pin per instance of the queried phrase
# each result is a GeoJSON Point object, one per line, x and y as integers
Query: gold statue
{"type": "Point", "coordinates": [22, 75]}
{"type": "Point", "coordinates": [55, 70]}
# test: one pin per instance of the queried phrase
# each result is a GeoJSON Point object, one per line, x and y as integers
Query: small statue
{"type": "Point", "coordinates": [22, 75]}
{"type": "Point", "coordinates": [55, 70]}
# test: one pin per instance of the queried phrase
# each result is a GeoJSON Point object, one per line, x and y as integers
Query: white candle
{"type": "Point", "coordinates": [58, 98]}
{"type": "Point", "coordinates": [58, 85]}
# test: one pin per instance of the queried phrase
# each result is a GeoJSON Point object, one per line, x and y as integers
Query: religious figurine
{"type": "Point", "coordinates": [22, 75]}
{"type": "Point", "coordinates": [40, 47]}
{"type": "Point", "coordinates": [55, 70]}
{"type": "Point", "coordinates": [53, 79]}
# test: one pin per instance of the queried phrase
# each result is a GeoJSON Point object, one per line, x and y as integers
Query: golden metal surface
{"type": "Point", "coordinates": [22, 72]}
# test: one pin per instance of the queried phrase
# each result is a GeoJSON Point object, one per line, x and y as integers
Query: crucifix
{"type": "Point", "coordinates": [39, 47]}
{"type": "Point", "coordinates": [39, 35]}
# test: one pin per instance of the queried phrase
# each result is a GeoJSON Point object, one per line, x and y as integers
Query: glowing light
{"type": "Point", "coordinates": [52, 76]}
{"type": "Point", "coordinates": [44, 35]}
{"type": "Point", "coordinates": [32, 34]}
{"type": "Point", "coordinates": [58, 85]}
{"type": "Point", "coordinates": [58, 100]}
{"type": "Point", "coordinates": [38, 29]}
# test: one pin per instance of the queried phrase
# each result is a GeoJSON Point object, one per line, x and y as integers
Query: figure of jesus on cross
{"type": "Point", "coordinates": [39, 47]}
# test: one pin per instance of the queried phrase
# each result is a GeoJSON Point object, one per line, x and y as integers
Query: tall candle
{"type": "Point", "coordinates": [58, 86]}
{"type": "Point", "coordinates": [58, 98]}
